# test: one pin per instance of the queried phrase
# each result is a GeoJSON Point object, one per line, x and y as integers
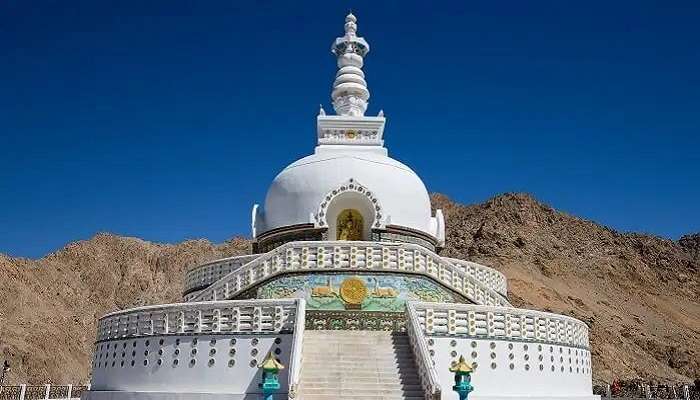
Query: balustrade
{"type": "Point", "coordinates": [201, 276]}
{"type": "Point", "coordinates": [488, 276]}
{"type": "Point", "coordinates": [476, 321]}
{"type": "Point", "coordinates": [426, 368]}
{"type": "Point", "coordinates": [360, 256]}
{"type": "Point", "coordinates": [41, 392]}
{"type": "Point", "coordinates": [207, 317]}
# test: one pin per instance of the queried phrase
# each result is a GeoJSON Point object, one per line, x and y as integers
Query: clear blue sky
{"type": "Point", "coordinates": [167, 120]}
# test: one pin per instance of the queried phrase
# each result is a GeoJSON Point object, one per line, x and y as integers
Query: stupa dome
{"type": "Point", "coordinates": [384, 190]}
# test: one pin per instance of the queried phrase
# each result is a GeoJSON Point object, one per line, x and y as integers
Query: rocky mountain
{"type": "Point", "coordinates": [639, 294]}
{"type": "Point", "coordinates": [49, 307]}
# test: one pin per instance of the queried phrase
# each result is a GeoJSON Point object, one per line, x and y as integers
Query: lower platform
{"type": "Point", "coordinates": [113, 395]}
{"type": "Point", "coordinates": [213, 350]}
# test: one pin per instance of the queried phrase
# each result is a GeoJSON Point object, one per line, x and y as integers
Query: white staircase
{"type": "Point", "coordinates": [355, 365]}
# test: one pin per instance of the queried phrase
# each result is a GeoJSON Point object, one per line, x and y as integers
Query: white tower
{"type": "Point", "coordinates": [350, 95]}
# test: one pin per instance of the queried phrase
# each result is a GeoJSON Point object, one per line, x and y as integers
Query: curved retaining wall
{"type": "Point", "coordinates": [185, 348]}
{"type": "Point", "coordinates": [517, 353]}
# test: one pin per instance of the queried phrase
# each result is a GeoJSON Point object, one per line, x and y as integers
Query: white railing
{"type": "Point", "coordinates": [490, 322]}
{"type": "Point", "coordinates": [359, 256]}
{"type": "Point", "coordinates": [489, 276]}
{"type": "Point", "coordinates": [266, 316]}
{"type": "Point", "coordinates": [205, 274]}
{"type": "Point", "coordinates": [42, 392]}
{"type": "Point", "coordinates": [426, 369]}
{"type": "Point", "coordinates": [295, 360]}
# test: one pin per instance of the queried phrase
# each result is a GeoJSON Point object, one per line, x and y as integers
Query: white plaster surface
{"type": "Point", "coordinates": [185, 377]}
{"type": "Point", "coordinates": [502, 382]}
{"type": "Point", "coordinates": [132, 395]}
{"type": "Point", "coordinates": [297, 191]}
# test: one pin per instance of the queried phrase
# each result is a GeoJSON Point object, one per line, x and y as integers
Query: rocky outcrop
{"type": "Point", "coordinates": [691, 243]}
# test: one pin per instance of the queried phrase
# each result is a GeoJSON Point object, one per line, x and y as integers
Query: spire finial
{"type": "Point", "coordinates": [350, 93]}
{"type": "Point", "coordinates": [350, 24]}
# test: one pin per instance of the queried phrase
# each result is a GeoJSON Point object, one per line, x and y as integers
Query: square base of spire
{"type": "Point", "coordinates": [358, 131]}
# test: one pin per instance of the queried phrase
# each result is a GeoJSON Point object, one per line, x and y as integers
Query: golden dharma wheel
{"type": "Point", "coordinates": [353, 290]}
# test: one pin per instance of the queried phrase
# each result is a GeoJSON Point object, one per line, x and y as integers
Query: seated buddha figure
{"type": "Point", "coordinates": [349, 225]}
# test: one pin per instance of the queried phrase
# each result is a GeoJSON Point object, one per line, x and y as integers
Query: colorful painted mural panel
{"type": "Point", "coordinates": [367, 292]}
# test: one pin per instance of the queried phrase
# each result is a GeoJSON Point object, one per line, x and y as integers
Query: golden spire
{"type": "Point", "coordinates": [270, 364]}
{"type": "Point", "coordinates": [461, 366]}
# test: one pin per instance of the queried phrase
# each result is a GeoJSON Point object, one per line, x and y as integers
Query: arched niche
{"type": "Point", "coordinates": [350, 204]}
{"type": "Point", "coordinates": [349, 196]}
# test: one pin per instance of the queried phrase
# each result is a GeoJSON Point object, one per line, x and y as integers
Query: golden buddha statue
{"type": "Point", "coordinates": [349, 225]}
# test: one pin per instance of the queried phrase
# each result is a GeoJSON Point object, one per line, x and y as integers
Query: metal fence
{"type": "Point", "coordinates": [646, 391]}
{"type": "Point", "coordinates": [42, 392]}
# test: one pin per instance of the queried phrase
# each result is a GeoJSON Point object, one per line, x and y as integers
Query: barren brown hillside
{"type": "Point", "coordinates": [638, 293]}
{"type": "Point", "coordinates": [49, 307]}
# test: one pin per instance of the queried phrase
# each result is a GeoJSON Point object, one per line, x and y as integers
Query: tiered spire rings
{"type": "Point", "coordinates": [350, 93]}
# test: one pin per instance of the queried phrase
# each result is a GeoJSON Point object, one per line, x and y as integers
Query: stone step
{"type": "Point", "coordinates": [410, 381]}
{"type": "Point", "coordinates": [332, 336]}
{"type": "Point", "coordinates": [356, 357]}
{"type": "Point", "coordinates": [335, 335]}
{"type": "Point", "coordinates": [353, 332]}
{"type": "Point", "coordinates": [348, 344]}
{"type": "Point", "coordinates": [358, 397]}
{"type": "Point", "coordinates": [405, 361]}
{"type": "Point", "coordinates": [351, 385]}
{"type": "Point", "coordinates": [362, 369]}
{"type": "Point", "coordinates": [359, 374]}
{"type": "Point", "coordinates": [356, 351]}
{"type": "Point", "coordinates": [360, 357]}
{"type": "Point", "coordinates": [363, 391]}
{"type": "Point", "coordinates": [374, 364]}
{"type": "Point", "coordinates": [368, 365]}
{"type": "Point", "coordinates": [352, 344]}
{"type": "Point", "coordinates": [345, 346]}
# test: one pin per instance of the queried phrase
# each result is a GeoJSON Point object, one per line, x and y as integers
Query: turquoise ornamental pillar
{"type": "Point", "coordinates": [463, 378]}
{"type": "Point", "coordinates": [270, 382]}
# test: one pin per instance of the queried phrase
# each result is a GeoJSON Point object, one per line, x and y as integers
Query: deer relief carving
{"type": "Point", "coordinates": [324, 291]}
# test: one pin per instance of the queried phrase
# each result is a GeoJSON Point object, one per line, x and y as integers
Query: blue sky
{"type": "Point", "coordinates": [167, 120]}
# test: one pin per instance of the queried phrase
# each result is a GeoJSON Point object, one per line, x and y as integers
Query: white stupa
{"type": "Point", "coordinates": [346, 289]}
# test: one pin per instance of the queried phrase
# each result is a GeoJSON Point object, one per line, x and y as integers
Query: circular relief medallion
{"type": "Point", "coordinates": [353, 290]}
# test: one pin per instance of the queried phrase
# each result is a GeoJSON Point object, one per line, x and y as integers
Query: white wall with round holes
{"type": "Point", "coordinates": [510, 369]}
{"type": "Point", "coordinates": [223, 363]}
